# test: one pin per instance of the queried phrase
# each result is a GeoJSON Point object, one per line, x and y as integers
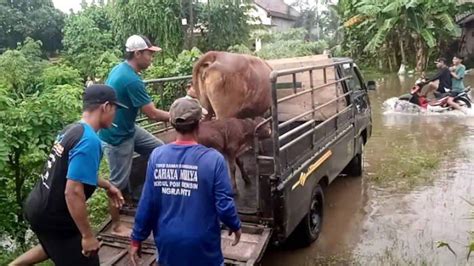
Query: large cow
{"type": "Point", "coordinates": [232, 85]}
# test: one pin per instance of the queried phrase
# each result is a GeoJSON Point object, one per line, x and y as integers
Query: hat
{"type": "Point", "coordinates": [138, 43]}
{"type": "Point", "coordinates": [99, 94]}
{"type": "Point", "coordinates": [185, 111]}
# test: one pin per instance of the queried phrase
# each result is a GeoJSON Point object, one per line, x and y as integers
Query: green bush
{"type": "Point", "coordinates": [239, 49]}
{"type": "Point", "coordinates": [34, 105]}
{"type": "Point", "coordinates": [291, 48]}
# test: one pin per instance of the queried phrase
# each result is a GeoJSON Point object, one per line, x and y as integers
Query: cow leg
{"type": "Point", "coordinates": [231, 163]}
{"type": "Point", "coordinates": [232, 176]}
{"type": "Point", "coordinates": [244, 174]}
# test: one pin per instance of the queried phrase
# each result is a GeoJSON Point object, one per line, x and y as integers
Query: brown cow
{"type": "Point", "coordinates": [232, 85]}
{"type": "Point", "coordinates": [231, 137]}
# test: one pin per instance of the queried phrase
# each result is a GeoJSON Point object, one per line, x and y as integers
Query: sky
{"type": "Point", "coordinates": [66, 5]}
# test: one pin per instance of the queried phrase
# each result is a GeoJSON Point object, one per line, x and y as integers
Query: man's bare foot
{"type": "Point", "coordinates": [121, 230]}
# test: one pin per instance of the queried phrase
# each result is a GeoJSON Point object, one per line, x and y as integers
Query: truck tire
{"type": "Point", "coordinates": [356, 165]}
{"type": "Point", "coordinates": [309, 228]}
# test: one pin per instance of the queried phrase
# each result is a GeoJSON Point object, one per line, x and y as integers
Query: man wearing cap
{"type": "Point", "coordinates": [56, 207]}
{"type": "Point", "coordinates": [186, 192]}
{"type": "Point", "coordinates": [126, 138]}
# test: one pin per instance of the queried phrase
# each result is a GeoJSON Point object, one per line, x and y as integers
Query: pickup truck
{"type": "Point", "coordinates": [320, 119]}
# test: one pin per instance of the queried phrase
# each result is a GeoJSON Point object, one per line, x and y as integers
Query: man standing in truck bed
{"type": "Point", "coordinates": [125, 139]}
{"type": "Point", "coordinates": [186, 192]}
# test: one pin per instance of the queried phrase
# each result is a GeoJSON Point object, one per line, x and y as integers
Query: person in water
{"type": "Point", "coordinates": [441, 82]}
{"type": "Point", "coordinates": [457, 74]}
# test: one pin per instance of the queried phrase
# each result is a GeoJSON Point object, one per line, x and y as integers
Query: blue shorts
{"type": "Point", "coordinates": [120, 157]}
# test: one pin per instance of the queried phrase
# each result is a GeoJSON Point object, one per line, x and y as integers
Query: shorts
{"type": "Point", "coordinates": [65, 249]}
{"type": "Point", "coordinates": [120, 157]}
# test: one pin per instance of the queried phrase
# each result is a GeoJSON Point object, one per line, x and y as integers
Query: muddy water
{"type": "Point", "coordinates": [371, 221]}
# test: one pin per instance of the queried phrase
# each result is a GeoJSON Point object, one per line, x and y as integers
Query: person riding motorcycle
{"type": "Point", "coordinates": [444, 86]}
{"type": "Point", "coordinates": [457, 74]}
{"type": "Point", "coordinates": [443, 77]}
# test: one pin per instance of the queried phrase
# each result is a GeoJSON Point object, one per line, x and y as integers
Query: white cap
{"type": "Point", "coordinates": [138, 43]}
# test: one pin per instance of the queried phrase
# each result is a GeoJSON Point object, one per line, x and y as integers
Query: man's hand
{"type": "Point", "coordinates": [135, 252]}
{"type": "Point", "coordinates": [237, 236]}
{"type": "Point", "coordinates": [115, 196]}
{"type": "Point", "coordinates": [90, 246]}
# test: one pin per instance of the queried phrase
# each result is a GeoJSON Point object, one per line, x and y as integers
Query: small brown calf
{"type": "Point", "coordinates": [231, 137]}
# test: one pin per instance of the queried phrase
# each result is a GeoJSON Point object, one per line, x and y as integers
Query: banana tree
{"type": "Point", "coordinates": [393, 21]}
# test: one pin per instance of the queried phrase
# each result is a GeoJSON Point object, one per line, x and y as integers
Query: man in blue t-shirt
{"type": "Point", "coordinates": [56, 206]}
{"type": "Point", "coordinates": [126, 138]}
{"type": "Point", "coordinates": [186, 193]}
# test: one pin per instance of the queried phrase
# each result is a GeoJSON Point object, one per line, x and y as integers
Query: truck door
{"type": "Point", "coordinates": [360, 97]}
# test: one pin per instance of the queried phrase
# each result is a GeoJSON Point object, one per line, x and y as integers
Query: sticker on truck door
{"type": "Point", "coordinates": [303, 176]}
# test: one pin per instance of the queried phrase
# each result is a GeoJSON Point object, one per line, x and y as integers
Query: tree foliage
{"type": "Point", "coordinates": [88, 42]}
{"type": "Point", "coordinates": [398, 25]}
{"type": "Point", "coordinates": [159, 20]}
{"type": "Point", "coordinates": [225, 23]}
{"type": "Point", "coordinates": [182, 65]}
{"type": "Point", "coordinates": [285, 44]}
{"type": "Point", "coordinates": [30, 18]}
{"type": "Point", "coordinates": [32, 110]}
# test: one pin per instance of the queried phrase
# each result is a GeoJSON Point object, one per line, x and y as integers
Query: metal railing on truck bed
{"type": "Point", "coordinates": [291, 137]}
{"type": "Point", "coordinates": [157, 87]}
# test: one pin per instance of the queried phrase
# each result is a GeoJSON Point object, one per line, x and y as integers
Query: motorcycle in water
{"type": "Point", "coordinates": [438, 105]}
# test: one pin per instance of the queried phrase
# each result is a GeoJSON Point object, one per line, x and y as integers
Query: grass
{"type": "Point", "coordinates": [405, 167]}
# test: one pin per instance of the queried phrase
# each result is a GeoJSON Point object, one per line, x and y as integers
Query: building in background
{"type": "Point", "coordinates": [275, 14]}
{"type": "Point", "coordinates": [466, 44]}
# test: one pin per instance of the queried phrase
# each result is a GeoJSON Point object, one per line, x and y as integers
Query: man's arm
{"type": "Point", "coordinates": [155, 114]}
{"type": "Point", "coordinates": [223, 197]}
{"type": "Point", "coordinates": [436, 77]}
{"type": "Point", "coordinates": [458, 76]}
{"type": "Point", "coordinates": [140, 99]}
{"type": "Point", "coordinates": [76, 204]}
{"type": "Point", "coordinates": [112, 192]}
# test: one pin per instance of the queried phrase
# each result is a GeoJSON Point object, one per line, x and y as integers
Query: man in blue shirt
{"type": "Point", "coordinates": [186, 193]}
{"type": "Point", "coordinates": [126, 138]}
{"type": "Point", "coordinates": [56, 207]}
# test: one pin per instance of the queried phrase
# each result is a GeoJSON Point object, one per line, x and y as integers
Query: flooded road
{"type": "Point", "coordinates": [418, 178]}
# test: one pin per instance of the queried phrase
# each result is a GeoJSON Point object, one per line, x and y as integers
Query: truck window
{"type": "Point", "coordinates": [354, 83]}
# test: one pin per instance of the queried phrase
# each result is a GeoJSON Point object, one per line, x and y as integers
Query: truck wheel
{"type": "Point", "coordinates": [356, 165]}
{"type": "Point", "coordinates": [309, 228]}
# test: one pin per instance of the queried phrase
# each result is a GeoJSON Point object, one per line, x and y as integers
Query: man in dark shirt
{"type": "Point", "coordinates": [443, 77]}
{"type": "Point", "coordinates": [56, 207]}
